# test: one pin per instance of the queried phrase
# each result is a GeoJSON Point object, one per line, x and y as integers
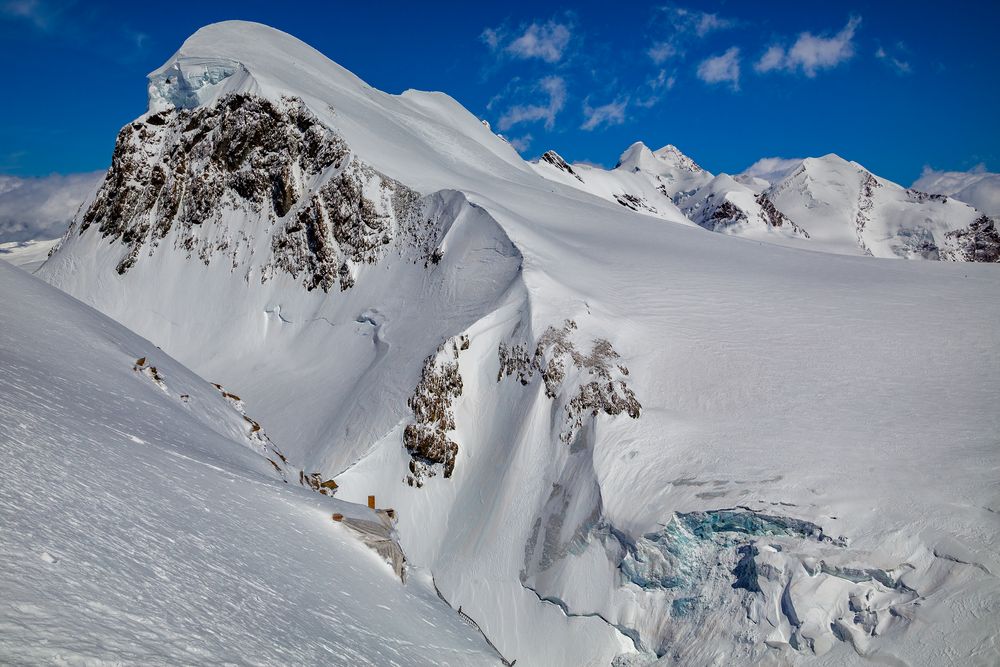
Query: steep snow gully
{"type": "Point", "coordinates": [606, 436]}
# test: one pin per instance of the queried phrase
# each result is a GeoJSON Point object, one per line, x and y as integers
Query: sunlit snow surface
{"type": "Point", "coordinates": [850, 393]}
{"type": "Point", "coordinates": [134, 531]}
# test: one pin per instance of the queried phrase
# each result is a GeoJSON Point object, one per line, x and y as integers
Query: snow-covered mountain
{"type": "Point", "coordinates": [610, 436]}
{"type": "Point", "coordinates": [142, 525]}
{"type": "Point", "coordinates": [826, 204]}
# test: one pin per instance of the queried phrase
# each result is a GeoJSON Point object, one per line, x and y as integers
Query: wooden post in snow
{"type": "Point", "coordinates": [371, 502]}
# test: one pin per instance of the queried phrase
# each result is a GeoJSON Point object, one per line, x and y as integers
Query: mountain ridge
{"type": "Point", "coordinates": [633, 419]}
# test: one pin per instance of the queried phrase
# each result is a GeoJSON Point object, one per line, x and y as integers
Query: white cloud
{"type": "Point", "coordinates": [661, 52]}
{"type": "Point", "coordinates": [521, 143]}
{"type": "Point", "coordinates": [547, 41]}
{"type": "Point", "coordinates": [976, 187]}
{"type": "Point", "coordinates": [491, 37]}
{"type": "Point", "coordinates": [772, 169]}
{"type": "Point", "coordinates": [41, 208]}
{"type": "Point", "coordinates": [899, 65]}
{"type": "Point", "coordinates": [810, 54]}
{"type": "Point", "coordinates": [612, 113]}
{"type": "Point", "coordinates": [773, 58]}
{"type": "Point", "coordinates": [555, 88]}
{"type": "Point", "coordinates": [692, 21]}
{"type": "Point", "coordinates": [707, 23]}
{"type": "Point", "coordinates": [655, 87]}
{"type": "Point", "coordinates": [723, 68]}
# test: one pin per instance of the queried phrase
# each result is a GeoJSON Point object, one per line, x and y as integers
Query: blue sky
{"type": "Point", "coordinates": [893, 85]}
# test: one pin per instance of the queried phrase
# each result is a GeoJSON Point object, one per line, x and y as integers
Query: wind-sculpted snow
{"type": "Point", "coordinates": [139, 528]}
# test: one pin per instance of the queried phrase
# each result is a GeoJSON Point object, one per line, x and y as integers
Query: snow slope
{"type": "Point", "coordinates": [609, 436]}
{"type": "Point", "coordinates": [138, 529]}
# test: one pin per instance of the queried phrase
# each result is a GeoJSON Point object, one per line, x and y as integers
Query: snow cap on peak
{"type": "Point", "coordinates": [827, 166]}
{"type": "Point", "coordinates": [674, 156]}
{"type": "Point", "coordinates": [636, 157]}
{"type": "Point", "coordinates": [242, 56]}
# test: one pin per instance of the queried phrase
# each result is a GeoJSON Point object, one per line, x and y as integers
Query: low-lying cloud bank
{"type": "Point", "coordinates": [977, 187]}
{"type": "Point", "coordinates": [41, 208]}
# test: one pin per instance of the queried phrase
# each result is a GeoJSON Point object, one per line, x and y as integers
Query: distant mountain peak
{"type": "Point", "coordinates": [672, 154]}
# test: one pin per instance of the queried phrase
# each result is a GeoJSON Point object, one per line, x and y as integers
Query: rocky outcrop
{"type": "Point", "coordinates": [774, 217]}
{"type": "Point", "coordinates": [979, 242]}
{"type": "Point", "coordinates": [178, 173]}
{"type": "Point", "coordinates": [342, 227]}
{"type": "Point", "coordinates": [183, 168]}
{"type": "Point", "coordinates": [556, 160]}
{"type": "Point", "coordinates": [427, 438]}
{"type": "Point", "coordinates": [866, 203]}
{"type": "Point", "coordinates": [597, 379]}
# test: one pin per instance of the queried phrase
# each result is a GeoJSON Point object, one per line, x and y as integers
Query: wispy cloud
{"type": "Point", "coordinates": [546, 41]}
{"type": "Point", "coordinates": [612, 113]}
{"type": "Point", "coordinates": [661, 52]}
{"type": "Point", "coordinates": [724, 68]}
{"type": "Point", "coordinates": [976, 187]}
{"type": "Point", "coordinates": [655, 88]}
{"type": "Point", "coordinates": [677, 27]}
{"type": "Point", "coordinates": [521, 143]}
{"type": "Point", "coordinates": [40, 14]}
{"type": "Point", "coordinates": [810, 53]}
{"type": "Point", "coordinates": [555, 88]}
{"type": "Point", "coordinates": [694, 21]}
{"type": "Point", "coordinates": [772, 169]}
{"type": "Point", "coordinates": [893, 61]}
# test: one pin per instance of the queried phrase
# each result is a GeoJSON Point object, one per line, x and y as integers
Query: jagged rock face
{"type": "Point", "coordinates": [725, 215]}
{"type": "Point", "coordinates": [634, 202]}
{"type": "Point", "coordinates": [427, 438]}
{"type": "Point", "coordinates": [181, 170]}
{"type": "Point", "coordinates": [340, 227]}
{"type": "Point", "coordinates": [979, 242]}
{"type": "Point", "coordinates": [776, 218]}
{"type": "Point", "coordinates": [865, 204]}
{"type": "Point", "coordinates": [183, 167]}
{"type": "Point", "coordinates": [556, 160]}
{"type": "Point", "coordinates": [599, 379]}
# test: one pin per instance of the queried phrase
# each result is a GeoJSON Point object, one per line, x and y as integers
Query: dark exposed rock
{"type": "Point", "coordinates": [600, 388]}
{"type": "Point", "coordinates": [340, 227]}
{"type": "Point", "coordinates": [774, 217]}
{"type": "Point", "coordinates": [427, 437]}
{"type": "Point", "coordinates": [184, 167]}
{"type": "Point", "coordinates": [181, 170]}
{"type": "Point", "coordinates": [979, 242]}
{"type": "Point", "coordinates": [727, 214]}
{"type": "Point", "coordinates": [559, 163]}
{"type": "Point", "coordinates": [865, 204]}
{"type": "Point", "coordinates": [746, 569]}
{"type": "Point", "coordinates": [633, 202]}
